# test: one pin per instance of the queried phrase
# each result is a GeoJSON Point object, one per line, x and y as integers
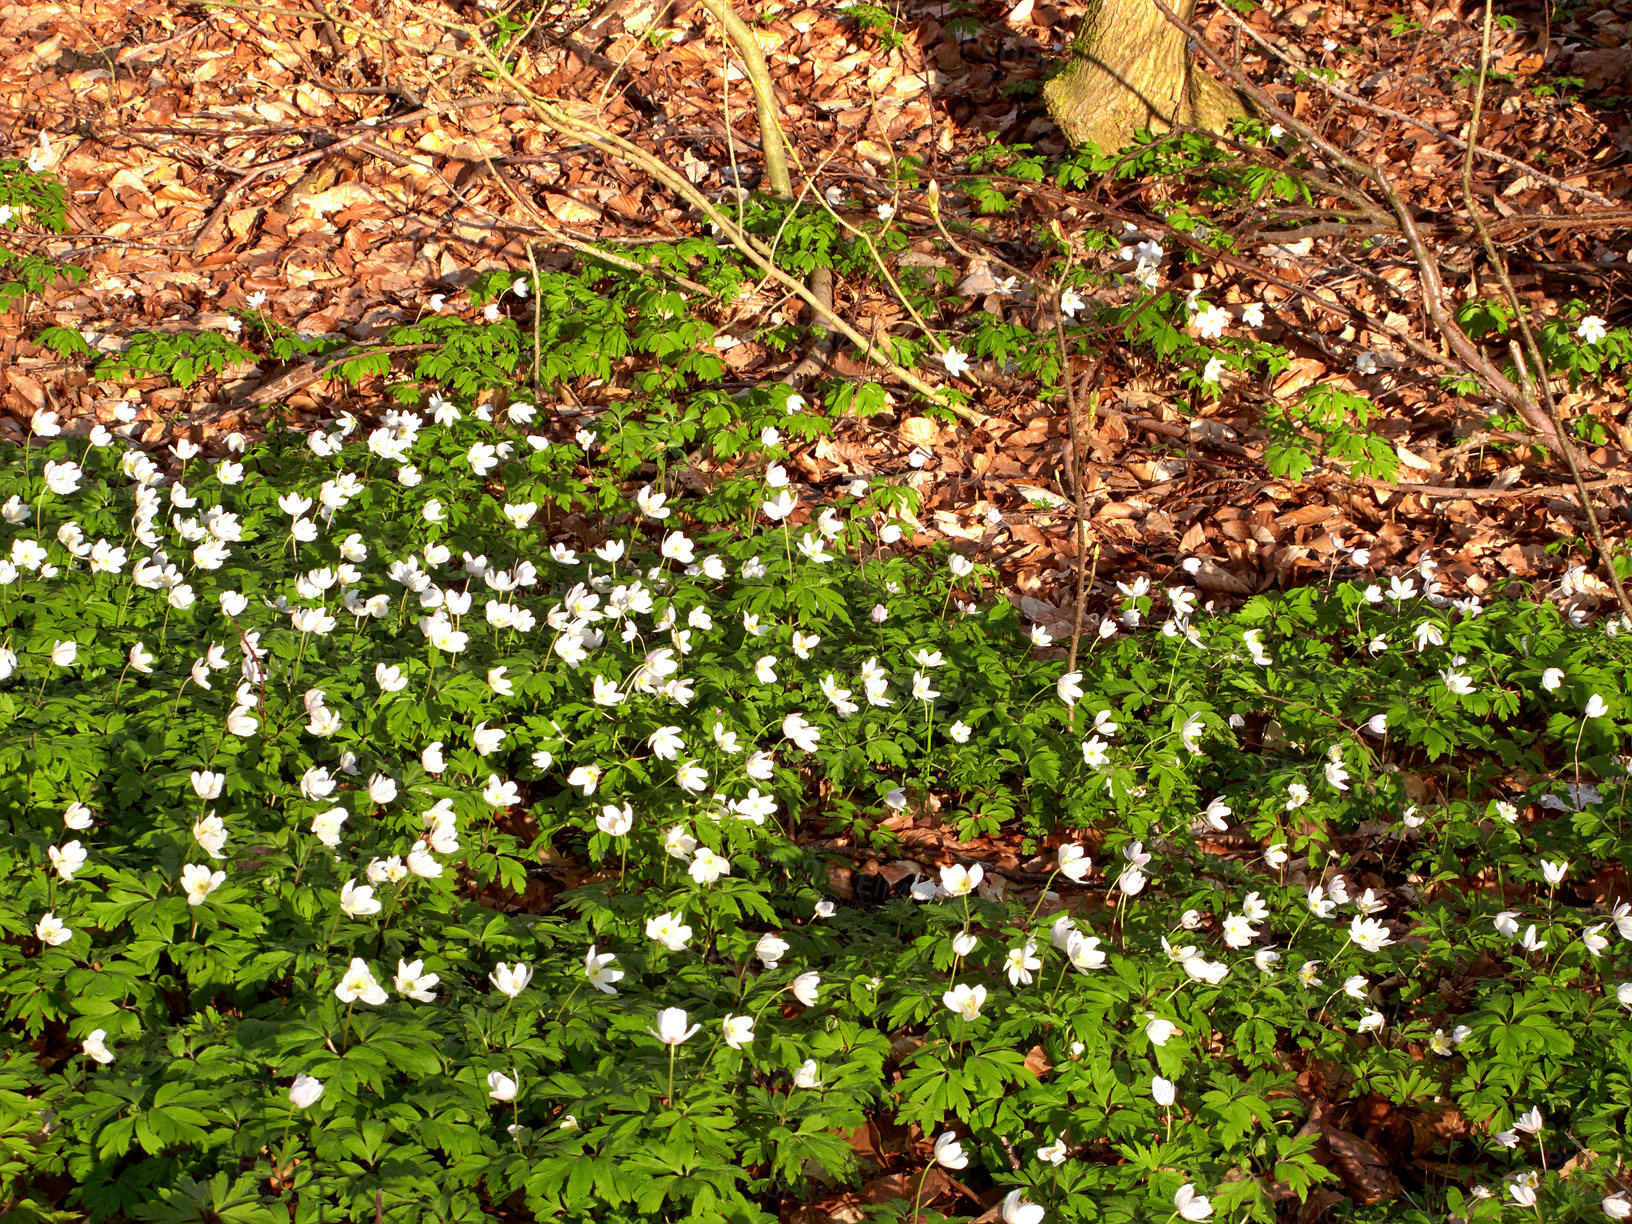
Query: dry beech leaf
{"type": "Point", "coordinates": [1363, 1166]}
{"type": "Point", "coordinates": [1211, 576]}
{"type": "Point", "coordinates": [919, 431]}
{"type": "Point", "coordinates": [569, 211]}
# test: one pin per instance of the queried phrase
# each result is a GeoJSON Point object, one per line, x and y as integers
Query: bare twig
{"type": "Point", "coordinates": [1531, 350]}
{"type": "Point", "coordinates": [1344, 95]}
{"type": "Point", "coordinates": [771, 138]}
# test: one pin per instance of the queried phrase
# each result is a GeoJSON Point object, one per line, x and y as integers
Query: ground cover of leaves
{"type": "Point", "coordinates": [154, 113]}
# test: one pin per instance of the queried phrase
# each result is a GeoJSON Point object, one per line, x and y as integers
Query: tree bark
{"type": "Point", "coordinates": [1131, 70]}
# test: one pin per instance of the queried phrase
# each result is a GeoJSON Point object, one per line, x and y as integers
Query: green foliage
{"type": "Point", "coordinates": [44, 200]}
{"type": "Point", "coordinates": [308, 680]}
{"type": "Point", "coordinates": [183, 357]}
{"type": "Point", "coordinates": [31, 275]}
{"type": "Point", "coordinates": [880, 21]}
{"type": "Point", "coordinates": [1327, 422]}
{"type": "Point", "coordinates": [480, 687]}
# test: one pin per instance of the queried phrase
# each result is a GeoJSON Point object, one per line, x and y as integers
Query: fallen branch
{"type": "Point", "coordinates": [1337, 91]}
{"type": "Point", "coordinates": [1531, 349]}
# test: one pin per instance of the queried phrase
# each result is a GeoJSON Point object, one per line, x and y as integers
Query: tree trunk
{"type": "Point", "coordinates": [1131, 69]}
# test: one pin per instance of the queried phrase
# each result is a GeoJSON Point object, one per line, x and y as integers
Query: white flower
{"type": "Point", "coordinates": [602, 970]}
{"type": "Point", "coordinates": [691, 777]}
{"type": "Point", "coordinates": [64, 653]}
{"type": "Point", "coordinates": [677, 547]}
{"type": "Point", "coordinates": [1595, 943]}
{"type": "Point", "coordinates": [1238, 931]}
{"type": "Point", "coordinates": [357, 901]}
{"type": "Point", "coordinates": [1190, 1205]}
{"type": "Point", "coordinates": [1162, 1091]}
{"type": "Point", "coordinates": [1530, 1122]}
{"type": "Point", "coordinates": [949, 1153]}
{"type": "Point", "coordinates": [326, 826]}
{"type": "Point", "coordinates": [1591, 329]}
{"type": "Point", "coordinates": [955, 362]}
{"type": "Point", "coordinates": [1159, 1031]}
{"type": "Point", "coordinates": [805, 986]}
{"type": "Point", "coordinates": [1021, 963]}
{"type": "Point", "coordinates": [414, 983]}
{"type": "Point", "coordinates": [1016, 1210]}
{"type": "Point", "coordinates": [800, 732]}
{"type": "Point", "coordinates": [1369, 934]}
{"type": "Point", "coordinates": [1617, 1206]}
{"type": "Point", "coordinates": [666, 743]}
{"type": "Point", "coordinates": [303, 1093]}
{"type": "Point", "coordinates": [1210, 322]}
{"type": "Point", "coordinates": [1457, 682]}
{"type": "Point", "coordinates": [615, 821]}
{"type": "Point", "coordinates": [671, 1027]}
{"type": "Point", "coordinates": [809, 1075]}
{"type": "Point", "coordinates": [207, 785]}
{"type": "Point", "coordinates": [1083, 952]}
{"type": "Point", "coordinates": [52, 931]}
{"type": "Point", "coordinates": [964, 1000]}
{"type": "Point", "coordinates": [420, 862]}
{"type": "Point", "coordinates": [62, 478]}
{"type": "Point", "coordinates": [1073, 863]}
{"type": "Point", "coordinates": [1132, 881]}
{"type": "Point", "coordinates": [1596, 707]}
{"type": "Point", "coordinates": [95, 1046]}
{"type": "Point", "coordinates": [1053, 1153]}
{"type": "Point", "coordinates": [738, 1030]}
{"type": "Point", "coordinates": [485, 739]}
{"type": "Point", "coordinates": [678, 843]}
{"type": "Point", "coordinates": [1191, 734]}
{"type": "Point", "coordinates": [510, 981]}
{"type": "Point", "coordinates": [771, 949]}
{"type": "Point", "coordinates": [358, 983]}
{"type": "Point", "coordinates": [1555, 872]}
{"type": "Point", "coordinates": [199, 882]}
{"type": "Point", "coordinates": [667, 929]}
{"type": "Point", "coordinates": [707, 866]}
{"type": "Point", "coordinates": [501, 1087]}
{"type": "Point", "coordinates": [959, 881]}
{"type": "Point", "coordinates": [1336, 775]}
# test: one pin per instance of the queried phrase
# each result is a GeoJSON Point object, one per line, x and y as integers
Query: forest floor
{"type": "Point", "coordinates": [214, 154]}
{"type": "Point", "coordinates": [241, 153]}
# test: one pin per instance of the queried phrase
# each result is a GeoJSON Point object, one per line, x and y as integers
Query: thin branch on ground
{"type": "Point", "coordinates": [1531, 350]}
{"type": "Point", "coordinates": [1337, 91]}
